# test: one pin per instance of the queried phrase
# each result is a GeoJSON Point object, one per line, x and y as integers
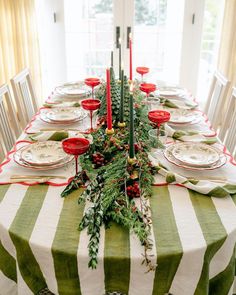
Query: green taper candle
{"type": "Point", "coordinates": [131, 125]}
{"type": "Point", "coordinates": [119, 58]}
{"type": "Point", "coordinates": [112, 59]}
{"type": "Point", "coordinates": [121, 114]}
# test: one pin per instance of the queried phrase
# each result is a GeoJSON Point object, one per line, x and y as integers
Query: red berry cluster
{"type": "Point", "coordinates": [133, 190]}
{"type": "Point", "coordinates": [98, 159]}
{"type": "Point", "coordinates": [136, 147]}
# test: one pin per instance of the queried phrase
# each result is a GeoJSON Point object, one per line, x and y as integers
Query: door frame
{"type": "Point", "coordinates": [192, 26]}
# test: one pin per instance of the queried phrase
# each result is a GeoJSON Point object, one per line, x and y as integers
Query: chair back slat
{"type": "Point", "coordinates": [228, 131]}
{"type": "Point", "coordinates": [24, 96]}
{"type": "Point", "coordinates": [216, 98]}
{"type": "Point", "coordinates": [9, 129]}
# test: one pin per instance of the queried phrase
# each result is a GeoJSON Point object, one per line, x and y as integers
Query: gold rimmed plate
{"type": "Point", "coordinates": [64, 115]}
{"type": "Point", "coordinates": [168, 153]}
{"type": "Point", "coordinates": [73, 89]}
{"type": "Point", "coordinates": [79, 115]}
{"type": "Point", "coordinates": [43, 153]}
{"type": "Point", "coordinates": [18, 159]}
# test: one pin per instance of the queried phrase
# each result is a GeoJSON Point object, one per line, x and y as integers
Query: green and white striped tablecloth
{"type": "Point", "coordinates": [194, 241]}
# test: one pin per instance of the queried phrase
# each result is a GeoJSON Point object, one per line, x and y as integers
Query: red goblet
{"type": "Point", "coordinates": [91, 105]}
{"type": "Point", "coordinates": [75, 146]}
{"type": "Point", "coordinates": [92, 82]}
{"type": "Point", "coordinates": [159, 117]}
{"type": "Point", "coordinates": [142, 71]}
{"type": "Point", "coordinates": [147, 88]}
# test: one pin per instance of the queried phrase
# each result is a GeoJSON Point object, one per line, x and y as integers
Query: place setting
{"type": "Point", "coordinates": [180, 117]}
{"type": "Point", "coordinates": [38, 162]}
{"type": "Point", "coordinates": [183, 162]}
{"type": "Point", "coordinates": [42, 156]}
{"type": "Point", "coordinates": [62, 115]}
{"type": "Point", "coordinates": [45, 161]}
{"type": "Point", "coordinates": [197, 156]}
{"type": "Point", "coordinates": [49, 119]}
{"type": "Point", "coordinates": [71, 93]}
{"type": "Point", "coordinates": [187, 120]}
{"type": "Point", "coordinates": [172, 91]}
{"type": "Point", "coordinates": [176, 154]}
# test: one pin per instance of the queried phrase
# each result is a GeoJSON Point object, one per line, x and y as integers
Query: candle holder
{"type": "Point", "coordinates": [132, 161]}
{"type": "Point", "coordinates": [121, 124]}
{"type": "Point", "coordinates": [110, 131]}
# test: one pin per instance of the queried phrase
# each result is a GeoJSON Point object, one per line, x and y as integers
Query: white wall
{"type": "Point", "coordinates": [52, 43]}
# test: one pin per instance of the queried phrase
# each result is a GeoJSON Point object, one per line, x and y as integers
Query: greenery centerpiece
{"type": "Point", "coordinates": [114, 182]}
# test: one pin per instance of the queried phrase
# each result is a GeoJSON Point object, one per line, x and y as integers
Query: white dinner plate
{"type": "Point", "coordinates": [44, 117]}
{"type": "Point", "coordinates": [198, 154]}
{"type": "Point", "coordinates": [65, 115]}
{"type": "Point", "coordinates": [43, 153]}
{"type": "Point", "coordinates": [169, 156]}
{"type": "Point", "coordinates": [21, 162]}
{"type": "Point", "coordinates": [73, 89]}
{"type": "Point", "coordinates": [169, 91]}
{"type": "Point", "coordinates": [180, 116]}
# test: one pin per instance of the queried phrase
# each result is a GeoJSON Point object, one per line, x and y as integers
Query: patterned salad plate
{"type": "Point", "coordinates": [73, 89]}
{"type": "Point", "coordinates": [65, 115]}
{"type": "Point", "coordinates": [40, 164]}
{"type": "Point", "coordinates": [181, 116]}
{"type": "Point", "coordinates": [197, 156]}
{"type": "Point", "coordinates": [62, 115]}
{"type": "Point", "coordinates": [43, 153]}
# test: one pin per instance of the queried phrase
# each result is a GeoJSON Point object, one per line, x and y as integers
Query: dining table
{"type": "Point", "coordinates": [43, 252]}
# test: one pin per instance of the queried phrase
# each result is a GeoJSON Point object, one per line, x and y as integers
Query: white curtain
{"type": "Point", "coordinates": [19, 46]}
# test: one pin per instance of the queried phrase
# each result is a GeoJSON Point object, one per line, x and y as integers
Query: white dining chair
{"type": "Point", "coordinates": [2, 152]}
{"type": "Point", "coordinates": [216, 99]}
{"type": "Point", "coordinates": [9, 128]}
{"type": "Point", "coordinates": [227, 133]}
{"type": "Point", "coordinates": [24, 96]}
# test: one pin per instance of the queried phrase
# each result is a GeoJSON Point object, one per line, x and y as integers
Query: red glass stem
{"type": "Point", "coordinates": [158, 129]}
{"type": "Point", "coordinates": [91, 120]}
{"type": "Point", "coordinates": [93, 92]}
{"type": "Point", "coordinates": [76, 164]}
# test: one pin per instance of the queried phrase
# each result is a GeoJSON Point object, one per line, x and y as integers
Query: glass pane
{"type": "Point", "coordinates": [158, 35]}
{"type": "Point", "coordinates": [89, 37]}
{"type": "Point", "coordinates": [213, 17]}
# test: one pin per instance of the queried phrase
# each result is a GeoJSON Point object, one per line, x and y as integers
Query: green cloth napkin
{"type": "Point", "coordinates": [57, 135]}
{"type": "Point", "coordinates": [61, 105]}
{"type": "Point", "coordinates": [206, 187]}
{"type": "Point", "coordinates": [192, 136]}
{"type": "Point", "coordinates": [177, 104]}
